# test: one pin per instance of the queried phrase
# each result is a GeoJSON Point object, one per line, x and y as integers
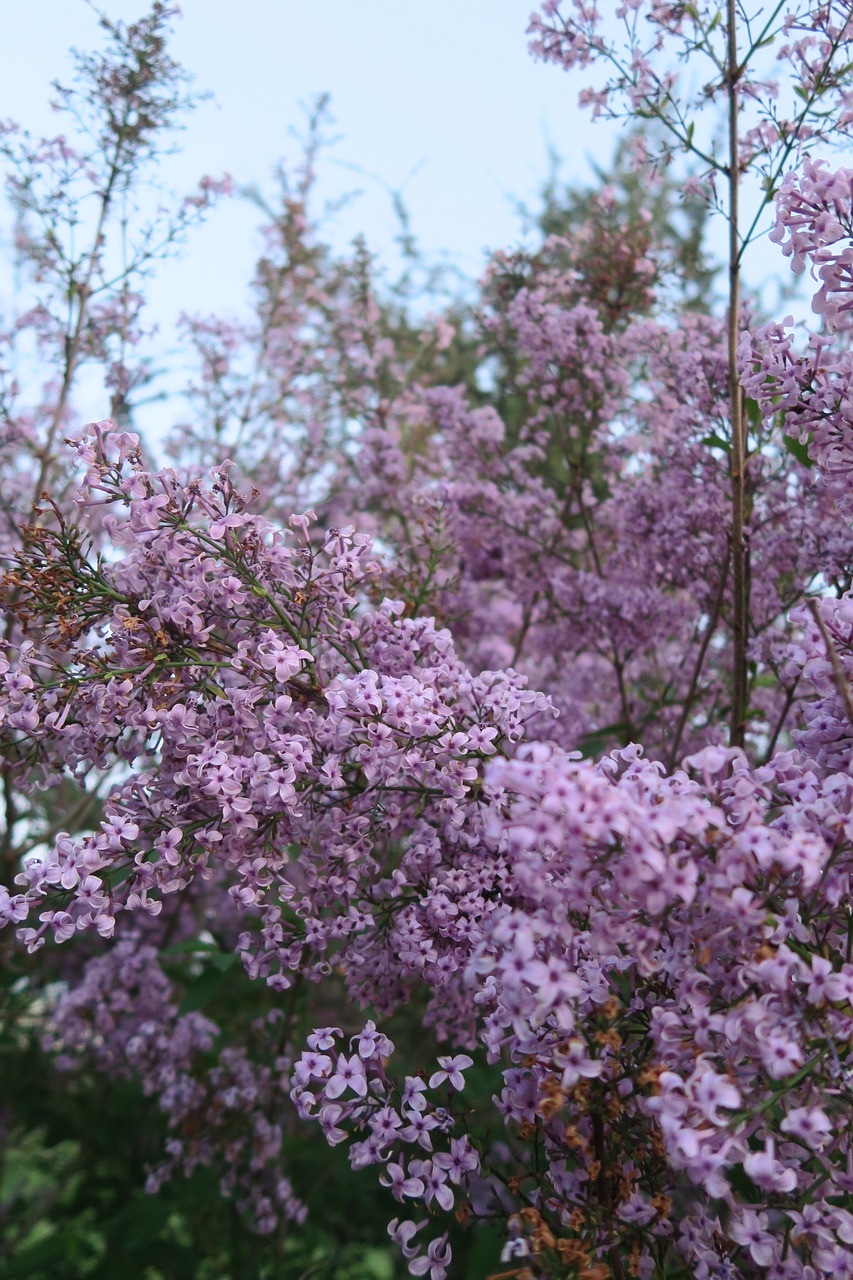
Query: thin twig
{"type": "Point", "coordinates": [783, 716]}
{"type": "Point", "coordinates": [839, 675]}
{"type": "Point", "coordinates": [700, 662]}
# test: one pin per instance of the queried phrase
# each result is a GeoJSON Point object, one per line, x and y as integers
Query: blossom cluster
{"type": "Point", "coordinates": [657, 962]}
{"type": "Point", "coordinates": [380, 764]}
{"type": "Point", "coordinates": [223, 1108]}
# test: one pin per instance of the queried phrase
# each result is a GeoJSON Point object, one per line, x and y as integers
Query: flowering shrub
{"type": "Point", "coordinates": [333, 825]}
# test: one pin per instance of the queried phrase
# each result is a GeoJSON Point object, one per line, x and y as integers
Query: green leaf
{"type": "Point", "coordinates": [189, 947]}
{"type": "Point", "coordinates": [753, 412]}
{"type": "Point", "coordinates": [741, 1182]}
{"type": "Point", "coordinates": [713, 441]}
{"type": "Point", "coordinates": [377, 1264]}
{"type": "Point", "coordinates": [592, 744]}
{"type": "Point", "coordinates": [484, 1253]}
{"type": "Point", "coordinates": [142, 1221]}
{"type": "Point", "coordinates": [117, 877]}
{"type": "Point", "coordinates": [798, 450]}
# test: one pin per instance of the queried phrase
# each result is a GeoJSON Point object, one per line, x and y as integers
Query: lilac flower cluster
{"type": "Point", "coordinates": [660, 984]}
{"type": "Point", "coordinates": [632, 979]}
{"type": "Point", "coordinates": [352, 1094]}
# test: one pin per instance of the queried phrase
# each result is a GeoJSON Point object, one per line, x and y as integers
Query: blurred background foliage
{"type": "Point", "coordinates": [75, 1147]}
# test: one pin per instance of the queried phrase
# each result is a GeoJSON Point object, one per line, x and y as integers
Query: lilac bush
{"type": "Point", "coordinates": [506, 755]}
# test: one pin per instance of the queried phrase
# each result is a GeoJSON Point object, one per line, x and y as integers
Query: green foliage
{"type": "Point", "coordinates": [75, 1148]}
{"type": "Point", "coordinates": [72, 1202]}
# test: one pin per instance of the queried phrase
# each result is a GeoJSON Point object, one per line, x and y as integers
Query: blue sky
{"type": "Point", "coordinates": [437, 98]}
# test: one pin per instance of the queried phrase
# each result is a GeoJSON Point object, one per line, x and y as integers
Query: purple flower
{"type": "Point", "coordinates": [402, 1233]}
{"type": "Point", "coordinates": [349, 1074]}
{"type": "Point", "coordinates": [811, 1124]}
{"type": "Point", "coordinates": [385, 1124]}
{"type": "Point", "coordinates": [451, 1071]}
{"type": "Point", "coordinates": [413, 1091]}
{"type": "Point", "coordinates": [280, 657]}
{"type": "Point", "coordinates": [711, 1091]}
{"type": "Point", "coordinates": [372, 1043]}
{"type": "Point", "coordinates": [400, 1182]}
{"type": "Point", "coordinates": [316, 1065]}
{"type": "Point", "coordinates": [418, 1129]}
{"type": "Point", "coordinates": [576, 1062]}
{"type": "Point", "coordinates": [461, 1159]}
{"type": "Point", "coordinates": [436, 1260]}
{"type": "Point", "coordinates": [434, 1183]}
{"type": "Point", "coordinates": [748, 1230]}
{"type": "Point", "coordinates": [323, 1037]}
{"type": "Point", "coordinates": [767, 1172]}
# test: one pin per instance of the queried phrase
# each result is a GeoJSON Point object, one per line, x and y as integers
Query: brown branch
{"type": "Point", "coordinates": [527, 619]}
{"type": "Point", "coordinates": [74, 339]}
{"type": "Point", "coordinates": [616, 662]}
{"type": "Point", "coordinates": [839, 675]}
{"type": "Point", "coordinates": [783, 716]}
{"type": "Point", "coordinates": [738, 455]}
{"type": "Point", "coordinates": [700, 662]}
{"type": "Point", "coordinates": [8, 855]}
